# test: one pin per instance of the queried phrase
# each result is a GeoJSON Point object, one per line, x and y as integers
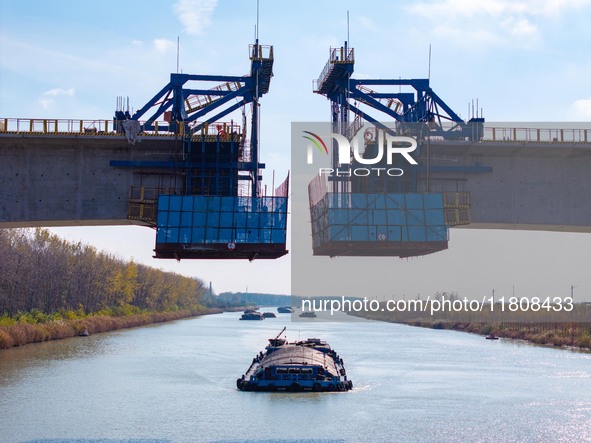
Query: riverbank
{"type": "Point", "coordinates": [22, 333]}
{"type": "Point", "coordinates": [565, 335]}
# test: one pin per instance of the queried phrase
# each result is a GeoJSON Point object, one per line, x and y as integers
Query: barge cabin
{"type": "Point", "coordinates": [310, 365]}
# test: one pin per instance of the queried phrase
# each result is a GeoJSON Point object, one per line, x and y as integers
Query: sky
{"type": "Point", "coordinates": [524, 60]}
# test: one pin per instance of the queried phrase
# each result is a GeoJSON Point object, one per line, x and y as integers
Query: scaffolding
{"type": "Point", "coordinates": [221, 227]}
{"type": "Point", "coordinates": [356, 210]}
{"type": "Point", "coordinates": [213, 208]}
{"type": "Point", "coordinates": [390, 224]}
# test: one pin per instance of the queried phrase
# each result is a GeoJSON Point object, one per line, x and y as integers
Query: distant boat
{"type": "Point", "coordinates": [308, 314]}
{"type": "Point", "coordinates": [269, 315]}
{"type": "Point", "coordinates": [249, 310]}
{"type": "Point", "coordinates": [285, 309]}
{"type": "Point", "coordinates": [491, 336]}
{"type": "Point", "coordinates": [252, 315]}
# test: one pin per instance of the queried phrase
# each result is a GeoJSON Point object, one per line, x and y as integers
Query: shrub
{"type": "Point", "coordinates": [486, 329]}
{"type": "Point", "coordinates": [5, 340]}
{"type": "Point", "coordinates": [585, 341]}
{"type": "Point", "coordinates": [6, 320]}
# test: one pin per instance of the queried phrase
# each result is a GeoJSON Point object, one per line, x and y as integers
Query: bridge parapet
{"type": "Point", "coordinates": [537, 135]}
{"type": "Point", "coordinates": [107, 128]}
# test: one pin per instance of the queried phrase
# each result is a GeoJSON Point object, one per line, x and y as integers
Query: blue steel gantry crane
{"type": "Point", "coordinates": [379, 214]}
{"type": "Point", "coordinates": [203, 194]}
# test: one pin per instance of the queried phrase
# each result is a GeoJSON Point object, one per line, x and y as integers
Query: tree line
{"type": "Point", "coordinates": [41, 271]}
{"type": "Point", "coordinates": [245, 298]}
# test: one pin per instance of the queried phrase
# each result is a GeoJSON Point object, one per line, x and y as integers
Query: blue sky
{"type": "Point", "coordinates": [525, 60]}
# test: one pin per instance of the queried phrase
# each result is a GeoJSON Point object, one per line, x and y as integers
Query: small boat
{"type": "Point", "coordinates": [252, 315]}
{"type": "Point", "coordinates": [308, 314]}
{"type": "Point", "coordinates": [269, 315]}
{"type": "Point", "coordinates": [309, 365]}
{"type": "Point", "coordinates": [491, 336]}
{"type": "Point", "coordinates": [285, 309]}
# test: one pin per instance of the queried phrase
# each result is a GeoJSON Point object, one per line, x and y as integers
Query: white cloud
{"type": "Point", "coordinates": [47, 99]}
{"type": "Point", "coordinates": [46, 103]}
{"type": "Point", "coordinates": [552, 7]}
{"type": "Point", "coordinates": [163, 45]}
{"type": "Point", "coordinates": [496, 22]}
{"type": "Point", "coordinates": [457, 8]}
{"type": "Point", "coordinates": [195, 15]}
{"type": "Point", "coordinates": [60, 91]}
{"type": "Point", "coordinates": [367, 23]}
{"type": "Point", "coordinates": [581, 109]}
{"type": "Point", "coordinates": [494, 8]}
{"type": "Point", "coordinates": [519, 27]}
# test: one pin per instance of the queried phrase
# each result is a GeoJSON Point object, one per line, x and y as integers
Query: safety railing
{"type": "Point", "coordinates": [35, 126]}
{"type": "Point", "coordinates": [342, 55]}
{"type": "Point", "coordinates": [354, 127]}
{"type": "Point", "coordinates": [515, 133]}
{"type": "Point", "coordinates": [196, 102]}
{"type": "Point", "coordinates": [143, 203]}
{"type": "Point", "coordinates": [225, 130]}
{"type": "Point", "coordinates": [260, 52]}
{"type": "Point", "coordinates": [457, 217]}
{"type": "Point", "coordinates": [55, 126]}
{"type": "Point", "coordinates": [537, 135]}
{"type": "Point", "coordinates": [387, 102]}
{"type": "Point", "coordinates": [336, 56]}
{"type": "Point", "coordinates": [455, 200]}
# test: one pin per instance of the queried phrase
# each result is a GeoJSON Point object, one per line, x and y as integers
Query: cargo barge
{"type": "Point", "coordinates": [309, 365]}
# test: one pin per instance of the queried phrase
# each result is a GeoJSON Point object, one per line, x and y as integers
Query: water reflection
{"type": "Point", "coordinates": [176, 382]}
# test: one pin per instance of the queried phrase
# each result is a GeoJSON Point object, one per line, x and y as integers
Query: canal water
{"type": "Point", "coordinates": [175, 382]}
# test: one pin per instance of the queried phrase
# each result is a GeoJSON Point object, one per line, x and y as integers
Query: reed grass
{"type": "Point", "coordinates": [572, 335]}
{"type": "Point", "coordinates": [27, 329]}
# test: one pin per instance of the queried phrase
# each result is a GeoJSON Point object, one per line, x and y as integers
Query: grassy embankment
{"type": "Point", "coordinates": [35, 326]}
{"type": "Point", "coordinates": [559, 334]}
